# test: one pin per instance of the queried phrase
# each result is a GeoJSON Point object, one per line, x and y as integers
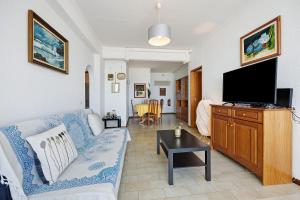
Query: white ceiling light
{"type": "Point", "coordinates": [159, 34]}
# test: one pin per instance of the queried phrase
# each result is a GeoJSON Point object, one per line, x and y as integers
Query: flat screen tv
{"type": "Point", "coordinates": [254, 84]}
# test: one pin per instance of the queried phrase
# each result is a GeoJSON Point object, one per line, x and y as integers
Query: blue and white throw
{"type": "Point", "coordinates": [99, 161]}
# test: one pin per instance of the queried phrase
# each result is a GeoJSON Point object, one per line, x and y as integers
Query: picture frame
{"type": "Point", "coordinates": [115, 88]}
{"type": "Point", "coordinates": [46, 47]}
{"type": "Point", "coordinates": [140, 90]}
{"type": "Point", "coordinates": [110, 77]}
{"type": "Point", "coordinates": [162, 92]}
{"type": "Point", "coordinates": [262, 43]}
{"type": "Point", "coordinates": [121, 76]}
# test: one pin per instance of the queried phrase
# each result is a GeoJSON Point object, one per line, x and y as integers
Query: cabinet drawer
{"type": "Point", "coordinates": [222, 111]}
{"type": "Point", "coordinates": [249, 115]}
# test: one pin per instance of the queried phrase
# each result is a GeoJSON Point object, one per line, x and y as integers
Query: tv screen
{"type": "Point", "coordinates": [255, 84]}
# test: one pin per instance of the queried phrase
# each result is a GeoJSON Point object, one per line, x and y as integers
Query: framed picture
{"type": "Point", "coordinates": [46, 46]}
{"type": "Point", "coordinates": [110, 77]}
{"type": "Point", "coordinates": [140, 90]}
{"type": "Point", "coordinates": [115, 87]}
{"type": "Point", "coordinates": [262, 43]}
{"type": "Point", "coordinates": [121, 76]}
{"type": "Point", "coordinates": [162, 92]}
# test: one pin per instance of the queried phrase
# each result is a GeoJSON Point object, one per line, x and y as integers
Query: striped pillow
{"type": "Point", "coordinates": [54, 150]}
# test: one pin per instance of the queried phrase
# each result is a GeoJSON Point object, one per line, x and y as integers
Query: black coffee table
{"type": "Point", "coordinates": [180, 151]}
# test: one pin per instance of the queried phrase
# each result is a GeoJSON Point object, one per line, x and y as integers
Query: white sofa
{"type": "Point", "coordinates": [94, 175]}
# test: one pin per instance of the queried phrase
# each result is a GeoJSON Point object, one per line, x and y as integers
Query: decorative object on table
{"type": "Point", "coordinates": [112, 114]}
{"type": "Point", "coordinates": [46, 46]}
{"type": "Point", "coordinates": [262, 43]}
{"type": "Point", "coordinates": [162, 92]}
{"type": "Point", "coordinates": [110, 77]}
{"type": "Point", "coordinates": [139, 90]}
{"type": "Point", "coordinates": [4, 189]}
{"type": "Point", "coordinates": [112, 122]}
{"type": "Point", "coordinates": [178, 131]}
{"type": "Point", "coordinates": [169, 102]}
{"type": "Point", "coordinates": [149, 91]}
{"type": "Point", "coordinates": [121, 76]}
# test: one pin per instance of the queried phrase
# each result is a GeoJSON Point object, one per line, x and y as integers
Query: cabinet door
{"type": "Point", "coordinates": [248, 144]}
{"type": "Point", "coordinates": [220, 132]}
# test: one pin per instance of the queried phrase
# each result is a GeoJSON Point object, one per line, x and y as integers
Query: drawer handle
{"type": "Point", "coordinates": [219, 110]}
{"type": "Point", "coordinates": [244, 114]}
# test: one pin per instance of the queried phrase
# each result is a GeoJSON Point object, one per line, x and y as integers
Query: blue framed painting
{"type": "Point", "coordinates": [46, 47]}
{"type": "Point", "coordinates": [262, 43]}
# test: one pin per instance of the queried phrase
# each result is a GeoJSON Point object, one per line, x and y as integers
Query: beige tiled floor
{"type": "Point", "coordinates": [145, 174]}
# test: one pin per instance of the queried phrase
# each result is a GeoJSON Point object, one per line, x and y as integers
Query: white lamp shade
{"type": "Point", "coordinates": [159, 35]}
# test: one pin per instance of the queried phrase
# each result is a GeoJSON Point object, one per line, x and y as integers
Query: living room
{"type": "Point", "coordinates": [112, 41]}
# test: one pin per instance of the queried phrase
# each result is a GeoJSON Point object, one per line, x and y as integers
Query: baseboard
{"type": "Point", "coordinates": [296, 181]}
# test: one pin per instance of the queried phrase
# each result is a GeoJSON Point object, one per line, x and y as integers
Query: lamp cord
{"type": "Point", "coordinates": [158, 7]}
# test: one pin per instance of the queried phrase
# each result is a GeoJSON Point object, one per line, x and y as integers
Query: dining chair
{"type": "Point", "coordinates": [152, 111]}
{"type": "Point", "coordinates": [134, 113]}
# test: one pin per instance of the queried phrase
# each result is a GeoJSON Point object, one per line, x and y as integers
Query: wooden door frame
{"type": "Point", "coordinates": [192, 112]}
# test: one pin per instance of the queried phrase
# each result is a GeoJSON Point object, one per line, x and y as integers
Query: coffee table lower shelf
{"type": "Point", "coordinates": [181, 160]}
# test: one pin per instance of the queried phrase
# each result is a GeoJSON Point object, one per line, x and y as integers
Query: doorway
{"type": "Point", "coordinates": [87, 89]}
{"type": "Point", "coordinates": [195, 92]}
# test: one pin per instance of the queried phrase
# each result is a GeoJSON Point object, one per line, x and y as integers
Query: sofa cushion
{"type": "Point", "coordinates": [55, 151]}
{"type": "Point", "coordinates": [94, 122]}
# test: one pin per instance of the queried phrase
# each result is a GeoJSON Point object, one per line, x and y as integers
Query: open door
{"type": "Point", "coordinates": [195, 92]}
{"type": "Point", "coordinates": [87, 89]}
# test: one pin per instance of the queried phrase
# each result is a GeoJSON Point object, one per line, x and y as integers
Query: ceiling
{"type": "Point", "coordinates": [156, 66]}
{"type": "Point", "coordinates": [124, 23]}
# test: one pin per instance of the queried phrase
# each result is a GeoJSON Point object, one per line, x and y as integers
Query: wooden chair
{"type": "Point", "coordinates": [152, 111]}
{"type": "Point", "coordinates": [146, 101]}
{"type": "Point", "coordinates": [134, 113]}
{"type": "Point", "coordinates": [161, 109]}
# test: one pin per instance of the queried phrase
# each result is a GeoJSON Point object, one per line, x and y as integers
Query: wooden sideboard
{"type": "Point", "coordinates": [259, 139]}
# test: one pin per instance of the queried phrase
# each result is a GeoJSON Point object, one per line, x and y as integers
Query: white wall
{"type": "Point", "coordinates": [219, 52]}
{"type": "Point", "coordinates": [170, 90]}
{"type": "Point", "coordinates": [181, 72]}
{"type": "Point", "coordinates": [137, 75]}
{"type": "Point", "coordinates": [116, 101]}
{"type": "Point", "coordinates": [29, 90]}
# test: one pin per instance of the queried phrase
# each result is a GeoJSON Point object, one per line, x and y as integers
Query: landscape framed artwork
{"type": "Point", "coordinates": [262, 43]}
{"type": "Point", "coordinates": [140, 90]}
{"type": "Point", "coordinates": [46, 47]}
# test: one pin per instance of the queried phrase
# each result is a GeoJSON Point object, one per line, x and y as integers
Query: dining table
{"type": "Point", "coordinates": [143, 108]}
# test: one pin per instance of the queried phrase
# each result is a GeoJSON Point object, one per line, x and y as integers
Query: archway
{"type": "Point", "coordinates": [87, 89]}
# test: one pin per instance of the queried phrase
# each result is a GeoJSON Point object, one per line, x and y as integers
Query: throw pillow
{"type": "Point", "coordinates": [54, 150]}
{"type": "Point", "coordinates": [95, 123]}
